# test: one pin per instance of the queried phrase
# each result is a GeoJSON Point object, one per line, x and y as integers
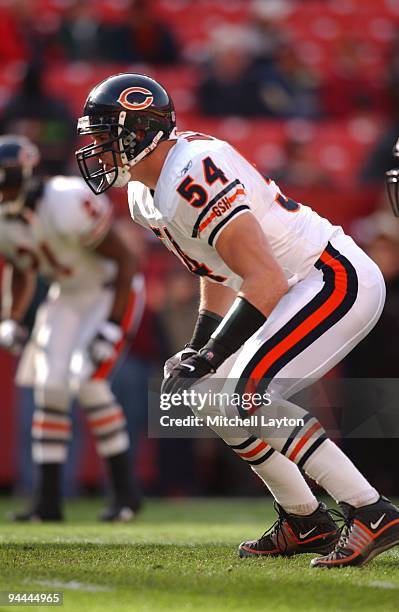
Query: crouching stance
{"type": "Point", "coordinates": [285, 296]}
{"type": "Point", "coordinates": [58, 229]}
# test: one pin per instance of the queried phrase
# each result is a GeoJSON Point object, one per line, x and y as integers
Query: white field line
{"type": "Point", "coordinates": [74, 585]}
{"type": "Point", "coordinates": [383, 584]}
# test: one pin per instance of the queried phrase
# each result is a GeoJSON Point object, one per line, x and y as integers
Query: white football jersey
{"type": "Point", "coordinates": [205, 184]}
{"type": "Point", "coordinates": [58, 236]}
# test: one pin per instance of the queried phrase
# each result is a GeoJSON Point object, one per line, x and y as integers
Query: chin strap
{"type": "Point", "coordinates": [123, 176]}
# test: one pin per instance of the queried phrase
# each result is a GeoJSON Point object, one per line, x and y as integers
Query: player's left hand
{"type": "Point", "coordinates": [185, 374]}
{"type": "Point", "coordinates": [103, 347]}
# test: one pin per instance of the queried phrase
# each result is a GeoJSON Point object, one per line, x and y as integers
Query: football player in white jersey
{"type": "Point", "coordinates": [285, 295]}
{"type": "Point", "coordinates": [57, 228]}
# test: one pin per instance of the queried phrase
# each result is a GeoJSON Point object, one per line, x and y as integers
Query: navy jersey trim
{"type": "Point", "coordinates": [222, 223]}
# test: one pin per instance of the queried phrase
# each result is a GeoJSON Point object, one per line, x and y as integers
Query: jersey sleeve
{"type": "Point", "coordinates": [141, 202]}
{"type": "Point", "coordinates": [210, 197]}
{"type": "Point", "coordinates": [76, 212]}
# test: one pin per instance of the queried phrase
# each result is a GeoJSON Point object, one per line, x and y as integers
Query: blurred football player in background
{"type": "Point", "coordinates": [56, 228]}
{"type": "Point", "coordinates": [285, 295]}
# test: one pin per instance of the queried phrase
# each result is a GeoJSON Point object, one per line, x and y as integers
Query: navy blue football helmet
{"type": "Point", "coordinates": [18, 159]}
{"type": "Point", "coordinates": [128, 115]}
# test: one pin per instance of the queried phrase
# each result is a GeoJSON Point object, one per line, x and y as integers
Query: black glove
{"type": "Point", "coordinates": [186, 373]}
{"type": "Point", "coordinates": [176, 359]}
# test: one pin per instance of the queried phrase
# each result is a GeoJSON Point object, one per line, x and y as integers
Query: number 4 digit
{"type": "Point", "coordinates": [287, 203]}
{"type": "Point", "coordinates": [212, 173]}
{"type": "Point", "coordinates": [194, 193]}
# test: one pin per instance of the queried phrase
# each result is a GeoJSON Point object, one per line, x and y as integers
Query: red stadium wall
{"type": "Point", "coordinates": [8, 450]}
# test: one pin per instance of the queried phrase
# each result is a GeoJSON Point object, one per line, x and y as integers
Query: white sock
{"type": "Point", "coordinates": [335, 472]}
{"type": "Point", "coordinates": [287, 485]}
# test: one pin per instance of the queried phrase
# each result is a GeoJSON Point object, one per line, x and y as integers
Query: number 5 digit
{"type": "Point", "coordinates": [192, 192]}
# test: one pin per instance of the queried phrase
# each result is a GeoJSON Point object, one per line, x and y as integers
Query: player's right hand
{"type": "Point", "coordinates": [186, 374]}
{"type": "Point", "coordinates": [12, 336]}
{"type": "Point", "coordinates": [103, 347]}
{"type": "Point", "coordinates": [177, 358]}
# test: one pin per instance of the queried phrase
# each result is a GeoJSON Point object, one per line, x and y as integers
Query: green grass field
{"type": "Point", "coordinates": [179, 555]}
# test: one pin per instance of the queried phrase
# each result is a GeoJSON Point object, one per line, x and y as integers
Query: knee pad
{"type": "Point", "coordinates": [53, 397]}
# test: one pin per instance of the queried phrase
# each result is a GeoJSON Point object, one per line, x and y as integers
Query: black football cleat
{"type": "Point", "coordinates": [119, 513]}
{"type": "Point", "coordinates": [37, 516]}
{"type": "Point", "coordinates": [368, 531]}
{"type": "Point", "coordinates": [293, 534]}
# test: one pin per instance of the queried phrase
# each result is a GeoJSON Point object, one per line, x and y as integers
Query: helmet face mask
{"type": "Point", "coordinates": [93, 159]}
{"type": "Point", "coordinates": [392, 183]}
{"type": "Point", "coordinates": [127, 115]}
{"type": "Point", "coordinates": [18, 158]}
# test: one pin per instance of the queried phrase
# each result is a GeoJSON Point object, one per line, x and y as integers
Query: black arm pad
{"type": "Point", "coordinates": [206, 324]}
{"type": "Point", "coordinates": [240, 323]}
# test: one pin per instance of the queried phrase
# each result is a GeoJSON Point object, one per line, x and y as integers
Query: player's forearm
{"type": "Point", "coordinates": [122, 284]}
{"type": "Point", "coordinates": [18, 288]}
{"type": "Point", "coordinates": [215, 300]}
{"type": "Point", "coordinates": [264, 291]}
{"type": "Point", "coordinates": [114, 247]}
{"type": "Point", "coordinates": [215, 297]}
{"type": "Point", "coordinates": [255, 301]}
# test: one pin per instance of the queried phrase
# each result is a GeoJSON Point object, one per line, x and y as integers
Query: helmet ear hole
{"type": "Point", "coordinates": [128, 140]}
{"type": "Point", "coordinates": [140, 135]}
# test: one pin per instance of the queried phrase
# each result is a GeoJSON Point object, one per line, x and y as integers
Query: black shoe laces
{"type": "Point", "coordinates": [281, 540]}
{"type": "Point", "coordinates": [277, 528]}
{"type": "Point", "coordinates": [345, 529]}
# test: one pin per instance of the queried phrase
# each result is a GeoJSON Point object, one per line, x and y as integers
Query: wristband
{"type": "Point", "coordinates": [206, 324]}
{"type": "Point", "coordinates": [239, 324]}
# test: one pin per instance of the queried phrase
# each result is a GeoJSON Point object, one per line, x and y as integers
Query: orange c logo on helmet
{"type": "Point", "coordinates": [148, 98]}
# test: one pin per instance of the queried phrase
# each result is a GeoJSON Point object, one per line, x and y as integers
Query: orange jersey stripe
{"type": "Point", "coordinates": [212, 216]}
{"type": "Point", "coordinates": [207, 221]}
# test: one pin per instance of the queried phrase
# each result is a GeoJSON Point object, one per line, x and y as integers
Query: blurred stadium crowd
{"type": "Point", "coordinates": [306, 89]}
